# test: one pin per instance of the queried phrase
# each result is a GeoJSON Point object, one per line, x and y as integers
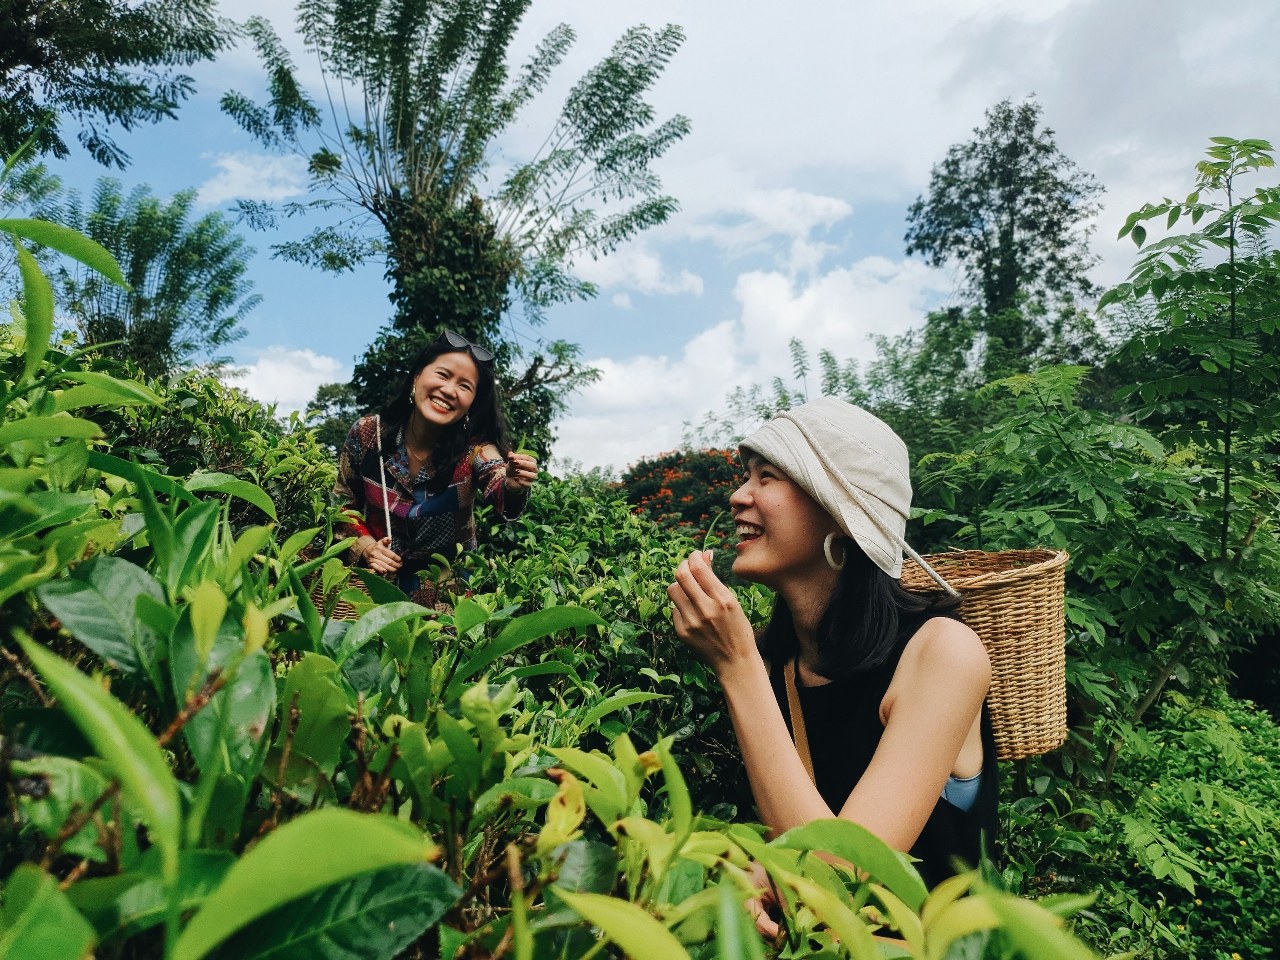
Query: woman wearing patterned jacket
{"type": "Point", "coordinates": [420, 465]}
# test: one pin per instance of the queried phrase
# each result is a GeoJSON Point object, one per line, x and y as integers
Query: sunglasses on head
{"type": "Point", "coordinates": [459, 342]}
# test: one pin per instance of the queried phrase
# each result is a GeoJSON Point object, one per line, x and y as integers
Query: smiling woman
{"type": "Point", "coordinates": [414, 471]}
{"type": "Point", "coordinates": [860, 700]}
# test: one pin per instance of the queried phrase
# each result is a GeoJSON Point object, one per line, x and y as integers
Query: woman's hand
{"type": "Point", "coordinates": [707, 616]}
{"type": "Point", "coordinates": [522, 470]}
{"type": "Point", "coordinates": [381, 559]}
{"type": "Point", "coordinates": [764, 904]}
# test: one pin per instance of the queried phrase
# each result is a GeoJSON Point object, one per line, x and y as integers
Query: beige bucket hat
{"type": "Point", "coordinates": [854, 465]}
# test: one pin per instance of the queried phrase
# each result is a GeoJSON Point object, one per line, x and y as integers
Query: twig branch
{"type": "Point", "coordinates": [75, 823]}
{"type": "Point", "coordinates": [195, 703]}
{"type": "Point", "coordinates": [27, 675]}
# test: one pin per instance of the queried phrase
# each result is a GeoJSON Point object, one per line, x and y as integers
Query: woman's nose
{"type": "Point", "coordinates": [741, 498]}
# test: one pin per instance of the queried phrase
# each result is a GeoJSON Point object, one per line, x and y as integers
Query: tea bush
{"type": "Point", "coordinates": [200, 762]}
{"type": "Point", "coordinates": [580, 544]}
{"type": "Point", "coordinates": [1185, 851]}
{"type": "Point", "coordinates": [203, 425]}
{"type": "Point", "coordinates": [686, 490]}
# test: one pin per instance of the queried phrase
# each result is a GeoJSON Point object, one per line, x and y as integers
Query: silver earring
{"type": "Point", "coordinates": [826, 552]}
{"type": "Point", "coordinates": [413, 396]}
{"type": "Point", "coordinates": [466, 421]}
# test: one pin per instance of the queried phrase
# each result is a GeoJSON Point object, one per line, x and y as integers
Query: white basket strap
{"type": "Point", "coordinates": [382, 474]}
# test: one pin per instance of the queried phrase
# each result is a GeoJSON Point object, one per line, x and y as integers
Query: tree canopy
{"type": "Point", "coordinates": [188, 291]}
{"type": "Point", "coordinates": [419, 97]}
{"type": "Point", "coordinates": [1011, 210]}
{"type": "Point", "coordinates": [98, 62]}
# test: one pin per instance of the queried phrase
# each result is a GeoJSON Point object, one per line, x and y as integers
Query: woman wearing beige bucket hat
{"type": "Point", "coordinates": [859, 699]}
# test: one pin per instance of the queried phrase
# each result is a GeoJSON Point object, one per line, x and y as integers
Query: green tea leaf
{"type": "Point", "coordinates": [382, 591]}
{"type": "Point", "coordinates": [129, 903]}
{"type": "Point", "coordinates": [836, 913]}
{"type": "Point", "coordinates": [677, 790]}
{"type": "Point", "coordinates": [371, 917]}
{"type": "Point", "coordinates": [336, 845]}
{"type": "Point", "coordinates": [467, 615]}
{"type": "Point", "coordinates": [522, 630]}
{"type": "Point", "coordinates": [862, 848]}
{"type": "Point", "coordinates": [119, 738]}
{"type": "Point", "coordinates": [736, 936]}
{"type": "Point", "coordinates": [323, 709]}
{"type": "Point", "coordinates": [37, 303]}
{"type": "Point", "coordinates": [225, 483]}
{"type": "Point", "coordinates": [617, 701]}
{"type": "Point", "coordinates": [610, 785]}
{"type": "Point", "coordinates": [639, 935]}
{"type": "Point", "coordinates": [71, 243]}
{"type": "Point", "coordinates": [70, 786]}
{"type": "Point", "coordinates": [37, 921]}
{"type": "Point", "coordinates": [1034, 930]}
{"type": "Point", "coordinates": [97, 602]}
{"type": "Point", "coordinates": [127, 392]}
{"type": "Point", "coordinates": [48, 428]}
{"type": "Point", "coordinates": [522, 793]}
{"type": "Point", "coordinates": [138, 475]}
{"type": "Point", "coordinates": [377, 620]}
{"type": "Point", "coordinates": [208, 609]}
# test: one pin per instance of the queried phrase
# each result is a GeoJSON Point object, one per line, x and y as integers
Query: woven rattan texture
{"type": "Point", "coordinates": [342, 610]}
{"type": "Point", "coordinates": [1014, 600]}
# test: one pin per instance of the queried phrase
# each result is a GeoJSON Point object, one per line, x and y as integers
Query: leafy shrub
{"type": "Point", "coordinates": [1185, 851]}
{"type": "Point", "coordinates": [579, 544]}
{"type": "Point", "coordinates": [203, 425]}
{"type": "Point", "coordinates": [199, 761]}
{"type": "Point", "coordinates": [686, 491]}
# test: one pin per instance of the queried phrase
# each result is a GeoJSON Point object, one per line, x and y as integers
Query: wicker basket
{"type": "Point", "coordinates": [342, 610]}
{"type": "Point", "coordinates": [1014, 600]}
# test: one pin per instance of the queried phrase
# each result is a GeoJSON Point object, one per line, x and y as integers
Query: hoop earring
{"type": "Point", "coordinates": [826, 552]}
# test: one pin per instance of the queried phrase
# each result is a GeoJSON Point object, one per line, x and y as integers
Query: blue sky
{"type": "Point", "coordinates": [815, 125]}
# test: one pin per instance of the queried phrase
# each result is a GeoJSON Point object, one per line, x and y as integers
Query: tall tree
{"type": "Point", "coordinates": [188, 290]}
{"type": "Point", "coordinates": [419, 97]}
{"type": "Point", "coordinates": [1012, 211]}
{"type": "Point", "coordinates": [100, 62]}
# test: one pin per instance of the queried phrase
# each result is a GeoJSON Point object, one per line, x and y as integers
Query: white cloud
{"type": "Point", "coordinates": [640, 404]}
{"type": "Point", "coordinates": [622, 300]}
{"type": "Point", "coordinates": [747, 221]}
{"type": "Point", "coordinates": [636, 267]}
{"type": "Point", "coordinates": [253, 176]}
{"type": "Point", "coordinates": [288, 377]}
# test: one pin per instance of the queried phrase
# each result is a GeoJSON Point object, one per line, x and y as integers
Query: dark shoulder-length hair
{"type": "Point", "coordinates": [484, 423]}
{"type": "Point", "coordinates": [861, 624]}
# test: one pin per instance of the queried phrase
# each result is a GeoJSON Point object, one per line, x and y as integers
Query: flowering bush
{"type": "Point", "coordinates": [686, 490]}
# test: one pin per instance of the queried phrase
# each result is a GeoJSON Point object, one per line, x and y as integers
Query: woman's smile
{"type": "Point", "coordinates": [780, 528]}
{"type": "Point", "coordinates": [445, 389]}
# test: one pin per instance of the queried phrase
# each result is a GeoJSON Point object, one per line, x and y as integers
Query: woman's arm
{"type": "Point", "coordinates": [709, 619]}
{"type": "Point", "coordinates": [503, 482]}
{"type": "Point", "coordinates": [933, 704]}
{"type": "Point", "coordinates": [348, 488]}
{"type": "Point", "coordinates": [931, 716]}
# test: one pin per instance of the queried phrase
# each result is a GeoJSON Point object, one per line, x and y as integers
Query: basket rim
{"type": "Point", "coordinates": [1044, 560]}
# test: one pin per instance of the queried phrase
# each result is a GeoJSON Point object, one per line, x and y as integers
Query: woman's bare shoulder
{"type": "Point", "coordinates": [946, 649]}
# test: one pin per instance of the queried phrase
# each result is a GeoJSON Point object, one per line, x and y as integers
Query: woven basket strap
{"type": "Point", "coordinates": [870, 510]}
{"type": "Point", "coordinates": [798, 732]}
{"type": "Point", "coordinates": [382, 474]}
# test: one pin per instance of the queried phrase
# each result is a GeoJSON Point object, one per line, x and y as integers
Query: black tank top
{"type": "Point", "coordinates": [842, 720]}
